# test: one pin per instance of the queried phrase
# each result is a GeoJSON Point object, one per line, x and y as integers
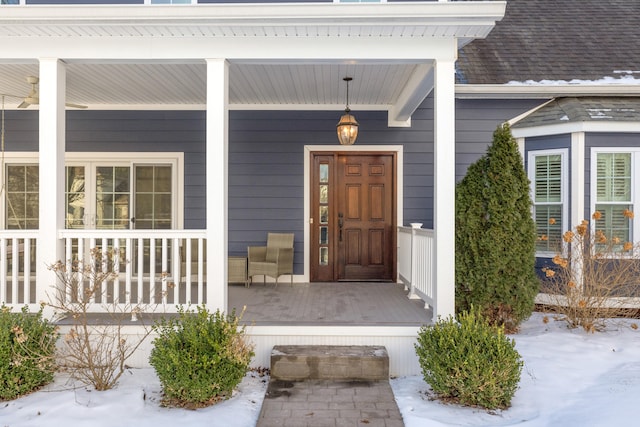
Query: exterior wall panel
{"type": "Point", "coordinates": [266, 149]}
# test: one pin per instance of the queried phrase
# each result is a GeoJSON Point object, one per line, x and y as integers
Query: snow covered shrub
{"type": "Point", "coordinates": [469, 362]}
{"type": "Point", "coordinates": [200, 357]}
{"type": "Point", "coordinates": [27, 352]}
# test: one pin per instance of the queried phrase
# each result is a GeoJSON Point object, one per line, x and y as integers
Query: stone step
{"type": "Point", "coordinates": [329, 362]}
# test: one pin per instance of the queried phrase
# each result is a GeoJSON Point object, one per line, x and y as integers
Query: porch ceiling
{"type": "Point", "coordinates": [282, 56]}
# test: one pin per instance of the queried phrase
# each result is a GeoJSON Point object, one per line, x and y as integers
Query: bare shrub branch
{"type": "Point", "coordinates": [95, 350]}
{"type": "Point", "coordinates": [593, 278]}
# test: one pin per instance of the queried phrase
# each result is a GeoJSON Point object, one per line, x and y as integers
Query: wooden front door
{"type": "Point", "coordinates": [353, 220]}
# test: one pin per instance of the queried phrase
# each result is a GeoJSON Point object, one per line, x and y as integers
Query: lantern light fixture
{"type": "Point", "coordinates": [347, 127]}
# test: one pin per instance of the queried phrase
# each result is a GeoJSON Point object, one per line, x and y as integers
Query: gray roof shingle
{"type": "Point", "coordinates": [556, 40]}
{"type": "Point", "coordinates": [584, 109]}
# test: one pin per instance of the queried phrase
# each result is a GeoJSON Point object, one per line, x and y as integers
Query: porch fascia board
{"type": "Point", "coordinates": [433, 19]}
{"type": "Point", "coordinates": [393, 48]}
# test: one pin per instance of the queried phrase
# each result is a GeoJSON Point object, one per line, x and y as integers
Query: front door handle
{"type": "Point", "coordinates": [340, 225]}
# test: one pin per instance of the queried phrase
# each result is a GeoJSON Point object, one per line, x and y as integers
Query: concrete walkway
{"type": "Point", "coordinates": [329, 403]}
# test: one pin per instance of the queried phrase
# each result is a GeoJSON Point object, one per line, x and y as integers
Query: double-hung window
{"type": "Point", "coordinates": [614, 192]}
{"type": "Point", "coordinates": [548, 176]}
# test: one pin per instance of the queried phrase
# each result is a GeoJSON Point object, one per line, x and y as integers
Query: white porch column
{"type": "Point", "coordinates": [217, 171]}
{"type": "Point", "coordinates": [577, 180]}
{"type": "Point", "coordinates": [444, 186]}
{"type": "Point", "coordinates": [51, 158]}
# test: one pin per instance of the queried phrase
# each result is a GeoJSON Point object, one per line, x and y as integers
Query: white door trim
{"type": "Point", "coordinates": [308, 149]}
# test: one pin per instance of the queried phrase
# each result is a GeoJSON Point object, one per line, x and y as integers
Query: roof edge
{"type": "Point", "coordinates": [544, 91]}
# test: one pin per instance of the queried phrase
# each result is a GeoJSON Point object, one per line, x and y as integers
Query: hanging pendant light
{"type": "Point", "coordinates": [347, 126]}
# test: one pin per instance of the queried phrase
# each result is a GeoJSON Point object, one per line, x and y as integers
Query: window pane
{"type": "Point", "coordinates": [162, 206]}
{"type": "Point", "coordinates": [32, 181]}
{"type": "Point", "coordinates": [154, 199]}
{"type": "Point", "coordinates": [324, 235]}
{"type": "Point", "coordinates": [144, 179]}
{"type": "Point", "coordinates": [163, 179]}
{"type": "Point", "coordinates": [548, 221]}
{"type": "Point", "coordinates": [22, 197]}
{"type": "Point", "coordinates": [31, 206]}
{"type": "Point", "coordinates": [324, 214]}
{"type": "Point", "coordinates": [548, 180]}
{"type": "Point", "coordinates": [324, 173]}
{"type": "Point", "coordinates": [15, 178]}
{"type": "Point", "coordinates": [121, 179]}
{"type": "Point", "coordinates": [324, 256]}
{"type": "Point", "coordinates": [324, 194]}
{"type": "Point", "coordinates": [614, 224]}
{"type": "Point", "coordinates": [614, 177]}
{"type": "Point", "coordinates": [75, 197]}
{"type": "Point", "coordinates": [15, 208]}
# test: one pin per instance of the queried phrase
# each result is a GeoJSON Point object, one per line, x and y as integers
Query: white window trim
{"type": "Point", "coordinates": [635, 188]}
{"type": "Point", "coordinates": [176, 159]}
{"type": "Point", "coordinates": [564, 187]}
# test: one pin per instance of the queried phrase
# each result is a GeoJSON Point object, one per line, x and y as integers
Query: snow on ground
{"type": "Point", "coordinates": [570, 378]}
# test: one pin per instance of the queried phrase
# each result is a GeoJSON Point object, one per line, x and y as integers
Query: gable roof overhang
{"type": "Point", "coordinates": [579, 114]}
{"type": "Point", "coordinates": [282, 56]}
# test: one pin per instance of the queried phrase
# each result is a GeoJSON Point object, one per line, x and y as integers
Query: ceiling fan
{"type": "Point", "coordinates": [33, 97]}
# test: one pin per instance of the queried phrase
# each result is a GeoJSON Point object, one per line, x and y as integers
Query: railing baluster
{"type": "Point", "coordinates": [140, 295]}
{"type": "Point", "coordinates": [187, 268]}
{"type": "Point", "coordinates": [92, 277]}
{"type": "Point", "coordinates": [200, 273]}
{"type": "Point", "coordinates": [3, 269]}
{"type": "Point", "coordinates": [176, 270]}
{"type": "Point", "coordinates": [81, 269]}
{"type": "Point", "coordinates": [128, 270]}
{"type": "Point", "coordinates": [165, 255]}
{"type": "Point", "coordinates": [152, 271]}
{"type": "Point", "coordinates": [116, 270]}
{"type": "Point", "coordinates": [15, 268]}
{"type": "Point", "coordinates": [27, 270]}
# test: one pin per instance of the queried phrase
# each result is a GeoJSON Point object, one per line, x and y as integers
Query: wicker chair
{"type": "Point", "coordinates": [272, 260]}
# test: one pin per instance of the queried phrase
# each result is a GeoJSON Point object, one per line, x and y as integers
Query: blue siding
{"type": "Point", "coordinates": [266, 149]}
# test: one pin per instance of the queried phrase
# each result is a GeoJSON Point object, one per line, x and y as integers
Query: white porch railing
{"type": "Point", "coordinates": [144, 269]}
{"type": "Point", "coordinates": [415, 263]}
{"type": "Point", "coordinates": [17, 268]}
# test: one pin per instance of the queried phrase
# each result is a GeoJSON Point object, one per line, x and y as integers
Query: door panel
{"type": "Point", "coordinates": [353, 217]}
{"type": "Point", "coordinates": [365, 195]}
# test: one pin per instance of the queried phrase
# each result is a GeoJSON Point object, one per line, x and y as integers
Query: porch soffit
{"type": "Point", "coordinates": [282, 56]}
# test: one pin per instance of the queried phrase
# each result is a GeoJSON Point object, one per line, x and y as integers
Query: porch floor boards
{"type": "Point", "coordinates": [332, 304]}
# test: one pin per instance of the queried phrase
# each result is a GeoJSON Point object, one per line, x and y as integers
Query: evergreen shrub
{"type": "Point", "coordinates": [27, 352]}
{"type": "Point", "coordinates": [471, 362]}
{"type": "Point", "coordinates": [495, 236]}
{"type": "Point", "coordinates": [200, 357]}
